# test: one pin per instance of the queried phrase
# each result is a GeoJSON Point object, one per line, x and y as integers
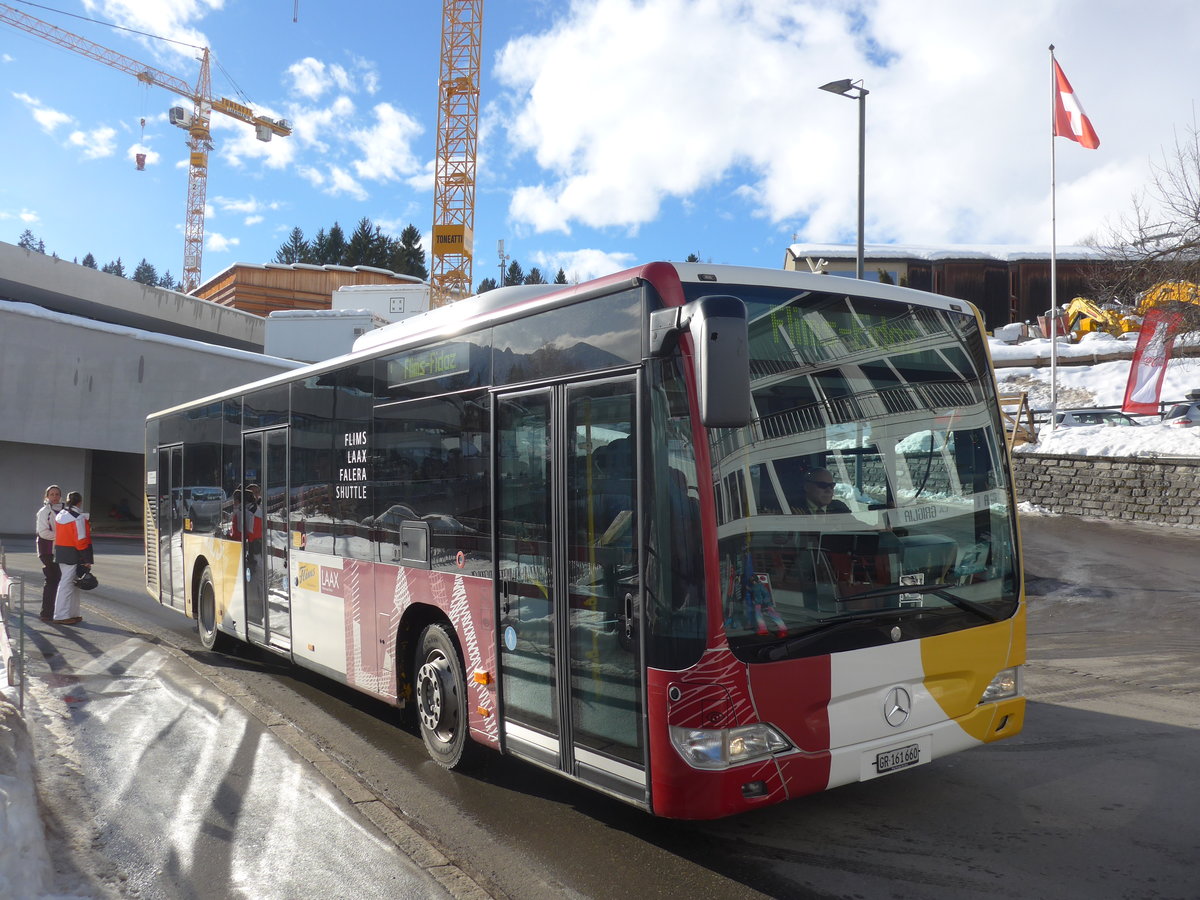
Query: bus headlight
{"type": "Point", "coordinates": [1006, 684]}
{"type": "Point", "coordinates": [707, 748]}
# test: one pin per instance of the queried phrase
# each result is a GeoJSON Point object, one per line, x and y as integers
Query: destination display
{"type": "Point", "coordinates": [431, 362]}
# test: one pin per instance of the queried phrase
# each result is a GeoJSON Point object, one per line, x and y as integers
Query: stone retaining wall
{"type": "Point", "coordinates": [1132, 488]}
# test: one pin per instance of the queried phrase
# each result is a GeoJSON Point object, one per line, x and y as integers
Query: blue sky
{"type": "Point", "coordinates": [612, 132]}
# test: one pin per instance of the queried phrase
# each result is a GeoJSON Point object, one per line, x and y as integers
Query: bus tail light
{"type": "Point", "coordinates": [707, 748]}
{"type": "Point", "coordinates": [1006, 684]}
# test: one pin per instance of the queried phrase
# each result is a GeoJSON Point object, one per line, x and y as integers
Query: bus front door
{"type": "Point", "coordinates": [568, 581]}
{"type": "Point", "coordinates": [266, 538]}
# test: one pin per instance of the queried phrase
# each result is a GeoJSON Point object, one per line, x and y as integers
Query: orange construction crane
{"type": "Point", "coordinates": [196, 123]}
{"type": "Point", "coordinates": [454, 166]}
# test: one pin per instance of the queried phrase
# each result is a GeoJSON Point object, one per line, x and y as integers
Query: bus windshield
{"type": "Point", "coordinates": [867, 502]}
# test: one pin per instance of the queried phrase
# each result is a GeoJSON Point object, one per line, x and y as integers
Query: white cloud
{"type": "Point", "coordinates": [152, 156]}
{"type": "Point", "coordinates": [248, 205]}
{"type": "Point", "coordinates": [386, 146]}
{"type": "Point", "coordinates": [581, 265]}
{"type": "Point", "coordinates": [95, 144]}
{"type": "Point", "coordinates": [252, 220]}
{"type": "Point", "coordinates": [718, 99]}
{"type": "Point", "coordinates": [342, 182]}
{"type": "Point", "coordinates": [173, 19]}
{"type": "Point", "coordinates": [309, 125]}
{"type": "Point", "coordinates": [218, 243]}
{"type": "Point", "coordinates": [48, 119]}
{"type": "Point", "coordinates": [238, 143]}
{"type": "Point", "coordinates": [311, 77]}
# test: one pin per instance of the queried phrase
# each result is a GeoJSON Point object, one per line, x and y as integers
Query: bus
{"type": "Point", "coordinates": [703, 538]}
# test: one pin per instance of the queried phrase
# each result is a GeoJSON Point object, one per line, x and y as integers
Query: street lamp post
{"type": "Point", "coordinates": [856, 91]}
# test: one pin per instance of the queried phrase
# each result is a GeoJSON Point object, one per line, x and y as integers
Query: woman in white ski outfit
{"type": "Point", "coordinates": [44, 529]}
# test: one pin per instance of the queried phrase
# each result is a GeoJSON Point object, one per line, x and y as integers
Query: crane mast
{"type": "Point", "coordinates": [196, 124]}
{"type": "Point", "coordinates": [454, 165]}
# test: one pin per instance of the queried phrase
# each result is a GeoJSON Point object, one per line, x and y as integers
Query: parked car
{"type": "Point", "coordinates": [1187, 413]}
{"type": "Point", "coordinates": [202, 505]}
{"type": "Point", "coordinates": [1069, 417]}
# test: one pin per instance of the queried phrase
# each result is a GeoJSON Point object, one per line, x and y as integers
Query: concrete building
{"type": "Point", "coordinates": [84, 357]}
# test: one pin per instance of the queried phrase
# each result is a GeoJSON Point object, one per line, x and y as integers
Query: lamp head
{"type": "Point", "coordinates": [838, 87]}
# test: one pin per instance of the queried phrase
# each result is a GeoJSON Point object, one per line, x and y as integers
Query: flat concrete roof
{"type": "Point", "coordinates": [66, 287]}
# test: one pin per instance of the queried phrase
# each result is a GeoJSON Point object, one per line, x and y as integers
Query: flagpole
{"type": "Point", "coordinates": [1053, 256]}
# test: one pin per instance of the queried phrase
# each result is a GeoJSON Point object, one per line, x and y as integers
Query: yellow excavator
{"type": "Point", "coordinates": [1168, 292]}
{"type": "Point", "coordinates": [1085, 316]}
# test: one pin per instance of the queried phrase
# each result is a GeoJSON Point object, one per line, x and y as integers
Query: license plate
{"type": "Point", "coordinates": [898, 758]}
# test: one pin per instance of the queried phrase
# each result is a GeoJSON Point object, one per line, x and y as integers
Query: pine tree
{"type": "Point", "coordinates": [295, 250]}
{"type": "Point", "coordinates": [89, 261]}
{"type": "Point", "coordinates": [486, 285]}
{"type": "Point", "coordinates": [145, 273]}
{"type": "Point", "coordinates": [514, 275]}
{"type": "Point", "coordinates": [168, 281]}
{"type": "Point", "coordinates": [692, 257]}
{"type": "Point", "coordinates": [114, 268]}
{"type": "Point", "coordinates": [336, 246]}
{"type": "Point", "coordinates": [411, 256]}
{"type": "Point", "coordinates": [561, 277]}
{"type": "Point", "coordinates": [535, 276]}
{"type": "Point", "coordinates": [320, 249]}
{"type": "Point", "coordinates": [368, 246]}
{"type": "Point", "coordinates": [27, 241]}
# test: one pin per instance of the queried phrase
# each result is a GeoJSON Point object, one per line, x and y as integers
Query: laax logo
{"type": "Point", "coordinates": [331, 581]}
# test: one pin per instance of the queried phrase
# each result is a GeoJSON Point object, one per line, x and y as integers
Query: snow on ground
{"type": "Point", "coordinates": [1096, 384]}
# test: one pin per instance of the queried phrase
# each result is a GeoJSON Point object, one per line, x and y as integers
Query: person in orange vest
{"type": "Point", "coordinates": [254, 513]}
{"type": "Point", "coordinates": [73, 552]}
{"type": "Point", "coordinates": [235, 515]}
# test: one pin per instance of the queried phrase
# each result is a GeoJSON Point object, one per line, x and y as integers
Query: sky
{"type": "Point", "coordinates": [612, 132]}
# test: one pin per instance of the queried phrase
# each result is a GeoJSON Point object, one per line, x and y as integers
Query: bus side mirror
{"type": "Point", "coordinates": [720, 337]}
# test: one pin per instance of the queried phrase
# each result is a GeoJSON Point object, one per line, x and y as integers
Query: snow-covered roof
{"type": "Point", "coordinates": [1007, 253]}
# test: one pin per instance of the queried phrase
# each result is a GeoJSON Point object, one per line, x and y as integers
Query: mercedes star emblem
{"type": "Point", "coordinates": [896, 706]}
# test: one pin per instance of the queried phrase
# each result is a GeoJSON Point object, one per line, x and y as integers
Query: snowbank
{"type": "Point", "coordinates": [1095, 385]}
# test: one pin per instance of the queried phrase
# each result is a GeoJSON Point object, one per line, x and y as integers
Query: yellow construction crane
{"type": "Point", "coordinates": [454, 165]}
{"type": "Point", "coordinates": [196, 122]}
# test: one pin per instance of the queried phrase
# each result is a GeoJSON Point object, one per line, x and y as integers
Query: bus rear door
{"type": "Point", "coordinates": [266, 538]}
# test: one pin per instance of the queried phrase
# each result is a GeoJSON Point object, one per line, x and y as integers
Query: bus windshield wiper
{"type": "Point", "coordinates": [938, 590]}
{"type": "Point", "coordinates": [784, 649]}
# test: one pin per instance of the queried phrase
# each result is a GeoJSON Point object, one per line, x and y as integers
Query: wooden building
{"type": "Point", "coordinates": [264, 289]}
{"type": "Point", "coordinates": [1008, 284]}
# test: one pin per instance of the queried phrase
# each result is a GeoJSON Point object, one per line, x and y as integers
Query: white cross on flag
{"type": "Point", "coordinates": [1070, 121]}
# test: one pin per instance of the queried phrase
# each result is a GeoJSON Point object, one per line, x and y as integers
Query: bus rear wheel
{"type": "Point", "coordinates": [441, 693]}
{"type": "Point", "coordinates": [206, 614]}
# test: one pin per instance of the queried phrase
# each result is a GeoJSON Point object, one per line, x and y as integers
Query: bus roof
{"type": "Point", "coordinates": [506, 302]}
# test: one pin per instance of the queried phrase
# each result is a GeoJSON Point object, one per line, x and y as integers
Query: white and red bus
{"type": "Point", "coordinates": [701, 537]}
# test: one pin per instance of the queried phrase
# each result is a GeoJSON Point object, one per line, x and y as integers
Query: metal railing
{"type": "Point", "coordinates": [12, 604]}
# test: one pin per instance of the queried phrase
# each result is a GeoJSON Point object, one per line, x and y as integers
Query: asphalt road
{"type": "Point", "coordinates": [1095, 799]}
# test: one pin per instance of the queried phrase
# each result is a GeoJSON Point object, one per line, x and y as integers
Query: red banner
{"type": "Point", "coordinates": [1149, 364]}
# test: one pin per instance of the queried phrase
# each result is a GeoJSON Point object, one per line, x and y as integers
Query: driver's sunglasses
{"type": "Point", "coordinates": [821, 484]}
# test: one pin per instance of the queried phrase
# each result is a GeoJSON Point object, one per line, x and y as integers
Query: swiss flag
{"type": "Point", "coordinates": [1070, 121]}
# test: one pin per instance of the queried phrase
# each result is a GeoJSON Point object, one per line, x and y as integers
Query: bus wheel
{"type": "Point", "coordinates": [206, 614]}
{"type": "Point", "coordinates": [441, 691]}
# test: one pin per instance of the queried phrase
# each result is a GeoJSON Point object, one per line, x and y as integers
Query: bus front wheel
{"type": "Point", "coordinates": [441, 693]}
{"type": "Point", "coordinates": [206, 614]}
